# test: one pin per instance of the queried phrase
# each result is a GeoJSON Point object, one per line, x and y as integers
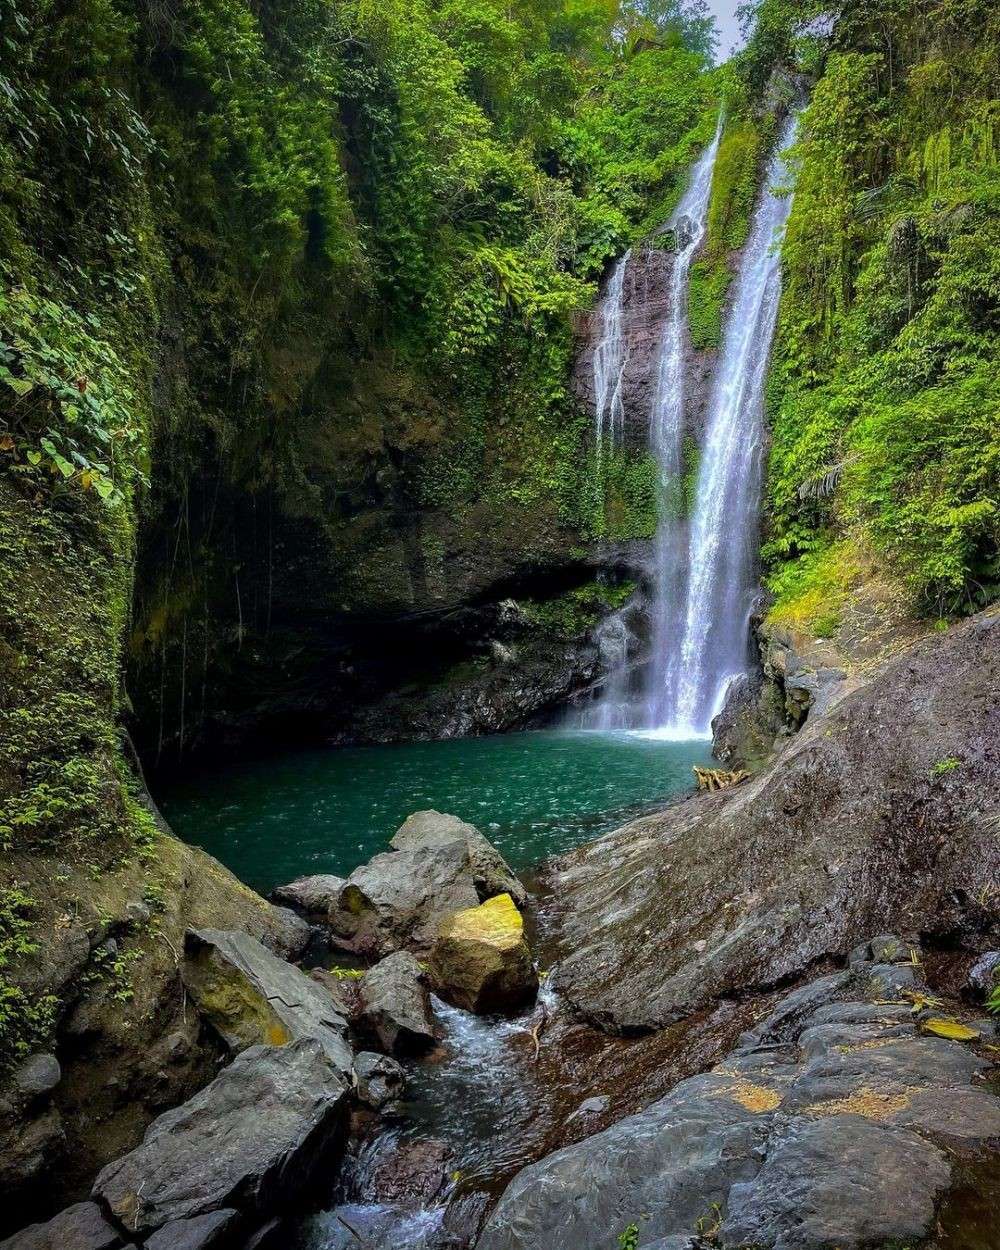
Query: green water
{"type": "Point", "coordinates": [532, 794]}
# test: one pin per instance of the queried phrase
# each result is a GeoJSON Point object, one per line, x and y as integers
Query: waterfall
{"type": "Point", "coordinates": [616, 708]}
{"type": "Point", "coordinates": [704, 577]}
{"type": "Point", "coordinates": [713, 646]}
{"type": "Point", "coordinates": [666, 435]}
{"type": "Point", "coordinates": [610, 361]}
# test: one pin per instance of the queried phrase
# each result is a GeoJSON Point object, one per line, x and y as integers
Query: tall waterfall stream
{"type": "Point", "coordinates": [704, 576]}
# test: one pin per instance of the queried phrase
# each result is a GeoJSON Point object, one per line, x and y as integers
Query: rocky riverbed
{"type": "Point", "coordinates": [760, 1023]}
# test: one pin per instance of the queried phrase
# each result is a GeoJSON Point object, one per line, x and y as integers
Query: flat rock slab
{"type": "Point", "coordinates": [250, 1140]}
{"type": "Point", "coordinates": [250, 997]}
{"type": "Point", "coordinates": [669, 1163]}
{"type": "Point", "coordinates": [829, 1136]}
{"type": "Point", "coordinates": [80, 1227]}
{"type": "Point", "coordinates": [843, 1181]}
{"type": "Point", "coordinates": [481, 961]}
{"type": "Point", "coordinates": [437, 865]}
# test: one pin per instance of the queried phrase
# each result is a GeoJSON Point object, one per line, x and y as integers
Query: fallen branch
{"type": "Point", "coordinates": [718, 778]}
{"type": "Point", "coordinates": [536, 1032]}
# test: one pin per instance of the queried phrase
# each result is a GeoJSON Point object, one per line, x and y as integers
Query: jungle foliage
{"type": "Point", "coordinates": [884, 397]}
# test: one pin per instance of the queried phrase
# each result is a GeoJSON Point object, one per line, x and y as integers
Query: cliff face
{"type": "Point", "coordinates": [646, 306]}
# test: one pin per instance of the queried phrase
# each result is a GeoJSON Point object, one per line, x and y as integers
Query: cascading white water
{"type": "Point", "coordinates": [617, 708]}
{"type": "Point", "coordinates": [667, 439]}
{"type": "Point", "coordinates": [713, 647]}
{"type": "Point", "coordinates": [610, 361]}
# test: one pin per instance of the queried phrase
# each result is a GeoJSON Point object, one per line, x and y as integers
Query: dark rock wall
{"type": "Point", "coordinates": [645, 308]}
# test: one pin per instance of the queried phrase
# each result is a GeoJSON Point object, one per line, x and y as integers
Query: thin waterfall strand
{"type": "Point", "coordinates": [610, 361]}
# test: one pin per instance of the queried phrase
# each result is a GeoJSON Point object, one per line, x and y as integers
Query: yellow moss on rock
{"type": "Point", "coordinates": [873, 1104]}
{"type": "Point", "coordinates": [481, 960]}
{"type": "Point", "coordinates": [496, 922]}
{"type": "Point", "coordinates": [756, 1098]}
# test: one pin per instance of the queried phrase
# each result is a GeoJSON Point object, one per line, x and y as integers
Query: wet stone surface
{"type": "Point", "coordinates": [838, 1121]}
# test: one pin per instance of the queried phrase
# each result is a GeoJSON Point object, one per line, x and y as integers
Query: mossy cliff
{"type": "Point", "coordinates": [322, 262]}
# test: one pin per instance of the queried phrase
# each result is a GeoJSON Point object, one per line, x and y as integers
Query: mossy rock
{"type": "Point", "coordinates": [481, 960]}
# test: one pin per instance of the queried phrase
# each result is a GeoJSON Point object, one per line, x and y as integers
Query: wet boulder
{"type": "Point", "coordinates": [251, 1140]}
{"type": "Point", "coordinates": [413, 1171]}
{"type": "Point", "coordinates": [437, 865]}
{"type": "Point", "coordinates": [395, 1006]}
{"type": "Point", "coordinates": [204, 1232]}
{"type": "Point", "coordinates": [381, 1080]}
{"type": "Point", "coordinates": [80, 1227]}
{"type": "Point", "coordinates": [250, 997]}
{"type": "Point", "coordinates": [481, 960]}
{"type": "Point", "coordinates": [310, 896]}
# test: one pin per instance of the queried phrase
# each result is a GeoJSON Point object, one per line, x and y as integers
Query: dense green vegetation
{"type": "Point", "coordinates": [884, 396]}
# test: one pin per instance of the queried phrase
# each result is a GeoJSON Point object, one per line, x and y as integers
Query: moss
{"type": "Point", "coordinates": [811, 592]}
{"type": "Point", "coordinates": [735, 183]}
{"type": "Point", "coordinates": [620, 494]}
{"type": "Point", "coordinates": [709, 285]}
{"type": "Point", "coordinates": [575, 613]}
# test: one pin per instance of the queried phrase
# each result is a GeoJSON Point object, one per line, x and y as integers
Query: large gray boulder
{"type": "Point", "coordinates": [880, 815]}
{"type": "Point", "coordinates": [310, 896]}
{"type": "Point", "coordinates": [80, 1227]}
{"type": "Point", "coordinates": [843, 1181]}
{"type": "Point", "coordinates": [203, 1232]}
{"type": "Point", "coordinates": [252, 1139]}
{"type": "Point", "coordinates": [250, 997]}
{"type": "Point", "coordinates": [824, 1129]}
{"type": "Point", "coordinates": [490, 872]}
{"type": "Point", "coordinates": [395, 1006]}
{"type": "Point", "coordinates": [438, 864]}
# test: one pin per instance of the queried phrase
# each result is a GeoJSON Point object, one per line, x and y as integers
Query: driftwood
{"type": "Point", "coordinates": [536, 1032]}
{"type": "Point", "coordinates": [718, 778]}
